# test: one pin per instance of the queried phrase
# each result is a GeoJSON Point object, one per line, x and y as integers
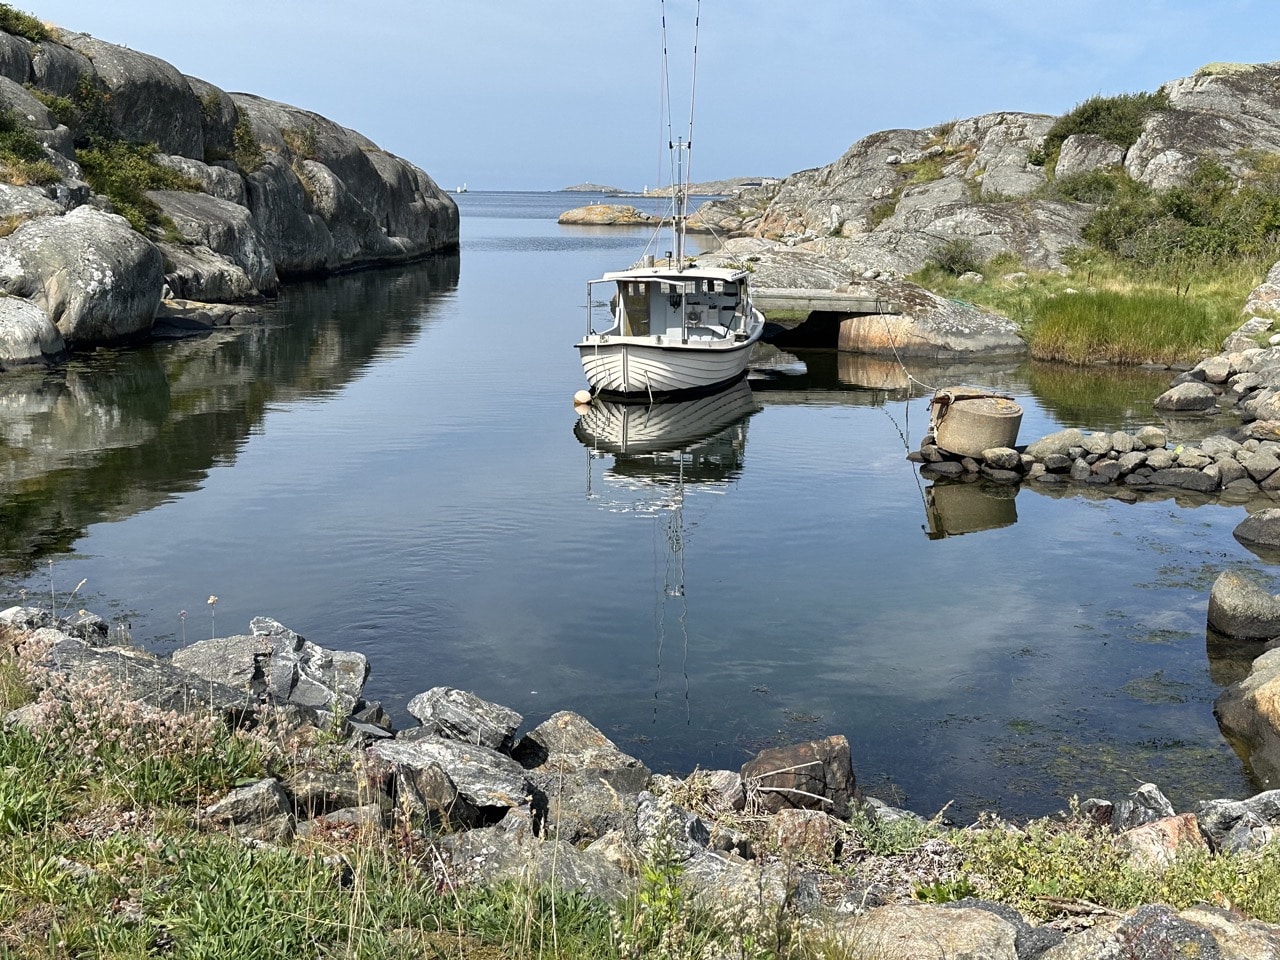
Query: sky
{"type": "Point", "coordinates": [510, 95]}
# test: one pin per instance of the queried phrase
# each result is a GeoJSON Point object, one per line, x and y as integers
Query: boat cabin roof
{"type": "Point", "coordinates": [667, 274]}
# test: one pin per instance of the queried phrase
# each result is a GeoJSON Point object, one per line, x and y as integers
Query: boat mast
{"type": "Point", "coordinates": [679, 146]}
{"type": "Point", "coordinates": [680, 200]}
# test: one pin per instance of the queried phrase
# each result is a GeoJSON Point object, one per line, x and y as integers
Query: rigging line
{"type": "Point", "coordinates": [893, 345]}
{"type": "Point", "coordinates": [693, 80]}
{"type": "Point", "coordinates": [668, 114]}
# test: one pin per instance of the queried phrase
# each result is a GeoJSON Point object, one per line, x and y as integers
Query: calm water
{"type": "Point", "coordinates": [390, 464]}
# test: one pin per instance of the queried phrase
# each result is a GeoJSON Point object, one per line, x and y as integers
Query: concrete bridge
{"type": "Point", "coordinates": [806, 301]}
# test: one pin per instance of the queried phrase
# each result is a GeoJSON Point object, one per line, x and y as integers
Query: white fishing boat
{"type": "Point", "coordinates": [672, 327]}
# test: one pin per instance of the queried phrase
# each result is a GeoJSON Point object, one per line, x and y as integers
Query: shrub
{"type": "Point", "coordinates": [301, 142]}
{"type": "Point", "coordinates": [1205, 223]}
{"type": "Point", "coordinates": [956, 256]}
{"type": "Point", "coordinates": [1118, 119]}
{"type": "Point", "coordinates": [123, 172]}
{"type": "Point", "coordinates": [22, 158]}
{"type": "Point", "coordinates": [1071, 860]}
{"type": "Point", "coordinates": [1088, 186]}
{"type": "Point", "coordinates": [22, 24]}
{"type": "Point", "coordinates": [248, 151]}
{"type": "Point", "coordinates": [87, 112]}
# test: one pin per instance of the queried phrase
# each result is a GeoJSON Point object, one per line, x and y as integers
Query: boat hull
{"type": "Point", "coordinates": [639, 367]}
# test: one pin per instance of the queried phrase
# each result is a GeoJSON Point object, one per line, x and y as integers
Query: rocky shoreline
{"type": "Point", "coordinates": [255, 192]}
{"type": "Point", "coordinates": [562, 804]}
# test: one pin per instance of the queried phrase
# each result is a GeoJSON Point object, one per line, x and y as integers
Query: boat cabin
{"type": "Point", "coordinates": [680, 307]}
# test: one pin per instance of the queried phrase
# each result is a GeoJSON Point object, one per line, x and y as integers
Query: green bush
{"type": "Point", "coordinates": [22, 24]}
{"type": "Point", "coordinates": [1118, 119]}
{"type": "Point", "coordinates": [248, 151]}
{"type": "Point", "coordinates": [1206, 222]}
{"type": "Point", "coordinates": [86, 113]}
{"type": "Point", "coordinates": [1051, 861]}
{"type": "Point", "coordinates": [22, 158]}
{"type": "Point", "coordinates": [123, 172]}
{"type": "Point", "coordinates": [956, 256]}
{"type": "Point", "coordinates": [1089, 186]}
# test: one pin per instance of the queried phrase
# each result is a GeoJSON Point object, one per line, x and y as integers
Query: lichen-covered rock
{"type": "Point", "coordinates": [925, 931]}
{"type": "Point", "coordinates": [278, 664]}
{"type": "Point", "coordinates": [1084, 152]}
{"type": "Point", "coordinates": [140, 677]}
{"type": "Point", "coordinates": [96, 278]}
{"type": "Point", "coordinates": [567, 741]}
{"type": "Point", "coordinates": [489, 781]}
{"type": "Point", "coordinates": [928, 326]}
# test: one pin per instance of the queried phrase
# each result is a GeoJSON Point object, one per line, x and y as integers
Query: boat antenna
{"type": "Point", "coordinates": [676, 148]}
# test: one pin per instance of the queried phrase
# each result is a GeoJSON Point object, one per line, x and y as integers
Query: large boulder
{"type": "Point", "coordinates": [57, 69]}
{"type": "Point", "coordinates": [97, 279]}
{"type": "Point", "coordinates": [219, 230]}
{"type": "Point", "coordinates": [1260, 532]}
{"type": "Point", "coordinates": [149, 100]}
{"type": "Point", "coordinates": [487, 782]}
{"type": "Point", "coordinates": [326, 198]}
{"type": "Point", "coordinates": [132, 675]}
{"type": "Point", "coordinates": [567, 742]}
{"type": "Point", "coordinates": [1084, 152]}
{"type": "Point", "coordinates": [1223, 112]}
{"type": "Point", "coordinates": [925, 931]}
{"type": "Point", "coordinates": [1248, 713]}
{"type": "Point", "coordinates": [928, 326]}
{"type": "Point", "coordinates": [816, 775]}
{"type": "Point", "coordinates": [1240, 608]}
{"type": "Point", "coordinates": [278, 664]}
{"type": "Point", "coordinates": [461, 715]}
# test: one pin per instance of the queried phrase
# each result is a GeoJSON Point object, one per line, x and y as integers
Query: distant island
{"type": "Point", "coordinates": [710, 188]}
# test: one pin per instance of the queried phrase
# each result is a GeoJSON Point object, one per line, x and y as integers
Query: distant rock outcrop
{"type": "Point", "coordinates": [275, 192]}
{"type": "Point", "coordinates": [604, 214]}
{"type": "Point", "coordinates": [895, 196]}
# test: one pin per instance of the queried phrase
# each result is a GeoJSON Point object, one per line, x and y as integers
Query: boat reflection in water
{"type": "Point", "coordinates": [659, 454]}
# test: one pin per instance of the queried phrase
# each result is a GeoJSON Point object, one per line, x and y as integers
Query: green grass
{"type": "Point", "coordinates": [1126, 327]}
{"type": "Point", "coordinates": [1073, 860]}
{"type": "Point", "coordinates": [1118, 312]}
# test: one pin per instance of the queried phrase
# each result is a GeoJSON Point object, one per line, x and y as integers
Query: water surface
{"type": "Point", "coordinates": [390, 464]}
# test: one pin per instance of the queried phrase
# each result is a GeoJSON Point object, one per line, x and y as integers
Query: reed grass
{"type": "Point", "coordinates": [1107, 311]}
{"type": "Point", "coordinates": [1127, 327]}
